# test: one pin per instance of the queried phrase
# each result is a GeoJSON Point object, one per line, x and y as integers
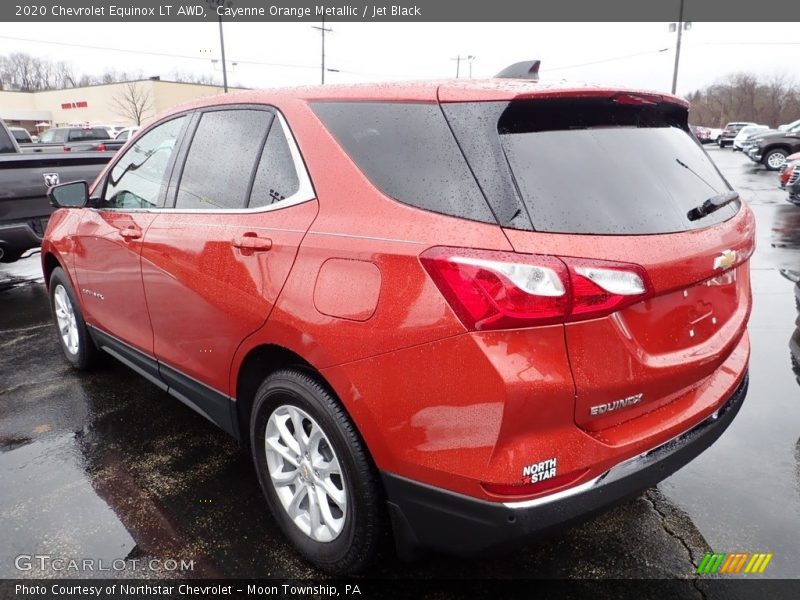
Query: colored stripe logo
{"type": "Point", "coordinates": [733, 562]}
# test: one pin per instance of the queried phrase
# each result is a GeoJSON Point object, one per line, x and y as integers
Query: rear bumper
{"type": "Point", "coordinates": [429, 517]}
{"type": "Point", "coordinates": [15, 238]}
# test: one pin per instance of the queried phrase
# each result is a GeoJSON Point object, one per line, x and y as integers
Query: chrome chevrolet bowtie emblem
{"type": "Point", "coordinates": [725, 260]}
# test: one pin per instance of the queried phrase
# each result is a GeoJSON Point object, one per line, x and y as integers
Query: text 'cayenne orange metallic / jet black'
{"type": "Point", "coordinates": [468, 312]}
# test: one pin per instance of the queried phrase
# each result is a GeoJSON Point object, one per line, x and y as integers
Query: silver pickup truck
{"type": "Point", "coordinates": [24, 181]}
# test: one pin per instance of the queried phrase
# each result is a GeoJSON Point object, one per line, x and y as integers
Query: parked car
{"type": "Point", "coordinates": [24, 180]}
{"type": "Point", "coordinates": [413, 314]}
{"type": "Point", "coordinates": [793, 183]}
{"type": "Point", "coordinates": [21, 135]}
{"type": "Point", "coordinates": [771, 150]}
{"type": "Point", "coordinates": [703, 134]}
{"type": "Point", "coordinates": [730, 132]}
{"type": "Point", "coordinates": [745, 133]}
{"type": "Point", "coordinates": [714, 135]}
{"type": "Point", "coordinates": [749, 148]}
{"type": "Point", "coordinates": [785, 173]}
{"type": "Point", "coordinates": [126, 133]}
{"type": "Point", "coordinates": [54, 139]}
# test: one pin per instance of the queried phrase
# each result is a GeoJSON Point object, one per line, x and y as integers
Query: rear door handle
{"type": "Point", "coordinates": [250, 241]}
{"type": "Point", "coordinates": [130, 233]}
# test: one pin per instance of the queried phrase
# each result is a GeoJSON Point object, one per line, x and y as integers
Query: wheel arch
{"type": "Point", "coordinates": [49, 264]}
{"type": "Point", "coordinates": [781, 146]}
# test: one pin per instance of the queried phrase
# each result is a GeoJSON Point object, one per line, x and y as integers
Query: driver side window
{"type": "Point", "coordinates": [137, 178]}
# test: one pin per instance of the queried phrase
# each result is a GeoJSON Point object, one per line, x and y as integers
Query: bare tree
{"type": "Point", "coordinates": [745, 97]}
{"type": "Point", "coordinates": [133, 102]}
{"type": "Point", "coordinates": [183, 77]}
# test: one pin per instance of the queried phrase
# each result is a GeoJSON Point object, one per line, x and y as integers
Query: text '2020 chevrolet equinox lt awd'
{"type": "Point", "coordinates": [467, 312]}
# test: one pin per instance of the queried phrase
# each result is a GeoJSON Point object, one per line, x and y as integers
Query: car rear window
{"type": "Point", "coordinates": [408, 152]}
{"type": "Point", "coordinates": [89, 134]}
{"type": "Point", "coordinates": [594, 166]}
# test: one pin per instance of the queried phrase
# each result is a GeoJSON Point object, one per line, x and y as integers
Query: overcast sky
{"type": "Point", "coordinates": [626, 54]}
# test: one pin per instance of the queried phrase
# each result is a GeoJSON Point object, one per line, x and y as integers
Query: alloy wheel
{"type": "Point", "coordinates": [65, 317]}
{"type": "Point", "coordinates": [306, 473]}
{"type": "Point", "coordinates": [776, 160]}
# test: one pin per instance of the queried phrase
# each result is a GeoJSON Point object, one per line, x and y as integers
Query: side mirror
{"type": "Point", "coordinates": [69, 195]}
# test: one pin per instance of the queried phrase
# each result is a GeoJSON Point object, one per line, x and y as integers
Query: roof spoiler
{"type": "Point", "coordinates": [527, 69]}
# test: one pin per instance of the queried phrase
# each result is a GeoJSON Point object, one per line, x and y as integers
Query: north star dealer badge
{"type": "Point", "coordinates": [539, 471]}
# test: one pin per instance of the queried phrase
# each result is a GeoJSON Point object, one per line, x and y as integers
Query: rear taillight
{"type": "Point", "coordinates": [101, 147]}
{"type": "Point", "coordinates": [602, 287]}
{"type": "Point", "coordinates": [504, 290]}
{"type": "Point", "coordinates": [67, 149]}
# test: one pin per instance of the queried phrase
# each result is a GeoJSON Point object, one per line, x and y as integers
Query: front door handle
{"type": "Point", "coordinates": [130, 233]}
{"type": "Point", "coordinates": [250, 241]}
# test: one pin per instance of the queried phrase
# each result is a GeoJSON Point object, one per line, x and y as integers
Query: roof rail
{"type": "Point", "coordinates": [527, 69]}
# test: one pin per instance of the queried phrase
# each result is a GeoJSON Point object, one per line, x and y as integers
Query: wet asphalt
{"type": "Point", "coordinates": [106, 466]}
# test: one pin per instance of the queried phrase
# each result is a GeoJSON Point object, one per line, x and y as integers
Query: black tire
{"type": "Point", "coordinates": [774, 153]}
{"type": "Point", "coordinates": [365, 522]}
{"type": "Point", "coordinates": [86, 355]}
{"type": "Point", "coordinates": [720, 143]}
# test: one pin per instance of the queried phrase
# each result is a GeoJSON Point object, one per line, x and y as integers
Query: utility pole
{"type": "Point", "coordinates": [469, 58]}
{"type": "Point", "coordinates": [679, 26]}
{"type": "Point", "coordinates": [322, 30]}
{"type": "Point", "coordinates": [213, 6]}
{"type": "Point", "coordinates": [224, 68]}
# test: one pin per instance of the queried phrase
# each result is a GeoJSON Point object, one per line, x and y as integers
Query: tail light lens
{"type": "Point", "coordinates": [505, 290]}
{"type": "Point", "coordinates": [67, 149]}
{"type": "Point", "coordinates": [101, 147]}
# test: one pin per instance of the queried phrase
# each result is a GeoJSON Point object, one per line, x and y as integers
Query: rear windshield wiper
{"type": "Point", "coordinates": [712, 204]}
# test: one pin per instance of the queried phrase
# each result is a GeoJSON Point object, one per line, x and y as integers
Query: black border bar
{"type": "Point", "coordinates": [398, 10]}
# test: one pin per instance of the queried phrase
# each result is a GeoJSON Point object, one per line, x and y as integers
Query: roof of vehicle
{"type": "Point", "coordinates": [449, 90]}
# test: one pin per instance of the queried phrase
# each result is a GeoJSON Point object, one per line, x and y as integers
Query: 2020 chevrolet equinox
{"type": "Point", "coordinates": [466, 312]}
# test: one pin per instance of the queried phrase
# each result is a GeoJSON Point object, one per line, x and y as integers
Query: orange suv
{"type": "Point", "coordinates": [466, 311]}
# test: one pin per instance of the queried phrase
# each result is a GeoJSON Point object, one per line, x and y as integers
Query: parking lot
{"type": "Point", "coordinates": [108, 466]}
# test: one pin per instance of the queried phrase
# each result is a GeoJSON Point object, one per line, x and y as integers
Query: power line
{"type": "Point", "coordinates": [151, 53]}
{"type": "Point", "coordinates": [606, 60]}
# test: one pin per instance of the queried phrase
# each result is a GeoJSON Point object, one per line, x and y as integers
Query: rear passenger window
{"type": "Point", "coordinates": [276, 178]}
{"type": "Point", "coordinates": [221, 159]}
{"type": "Point", "coordinates": [408, 152]}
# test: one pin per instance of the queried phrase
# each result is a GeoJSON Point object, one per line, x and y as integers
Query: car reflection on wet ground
{"type": "Point", "coordinates": [106, 466]}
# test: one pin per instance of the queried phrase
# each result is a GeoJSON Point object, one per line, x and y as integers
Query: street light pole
{"type": "Point", "coordinates": [677, 50]}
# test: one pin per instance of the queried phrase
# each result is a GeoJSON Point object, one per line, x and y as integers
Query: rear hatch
{"type": "Point", "coordinates": [607, 184]}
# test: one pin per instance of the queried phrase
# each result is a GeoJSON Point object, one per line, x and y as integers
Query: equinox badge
{"type": "Point", "coordinates": [600, 409]}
